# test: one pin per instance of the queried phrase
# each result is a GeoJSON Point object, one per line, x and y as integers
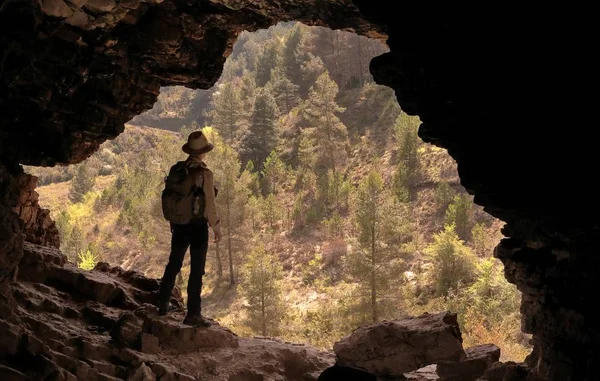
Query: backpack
{"type": "Point", "coordinates": [182, 198]}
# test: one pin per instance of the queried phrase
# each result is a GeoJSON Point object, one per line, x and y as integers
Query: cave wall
{"type": "Point", "coordinates": [500, 88]}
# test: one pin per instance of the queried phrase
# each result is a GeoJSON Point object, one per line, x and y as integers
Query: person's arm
{"type": "Point", "coordinates": [208, 186]}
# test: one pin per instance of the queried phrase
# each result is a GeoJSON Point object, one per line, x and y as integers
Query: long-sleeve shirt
{"type": "Point", "coordinates": [208, 187]}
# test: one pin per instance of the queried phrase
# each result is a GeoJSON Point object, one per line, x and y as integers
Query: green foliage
{"type": "Point", "coordinates": [337, 192]}
{"type": "Point", "coordinates": [292, 65]}
{"type": "Point", "coordinates": [444, 194]}
{"type": "Point", "coordinates": [274, 172]}
{"type": "Point", "coordinates": [401, 183]}
{"type": "Point", "coordinates": [271, 211]}
{"type": "Point", "coordinates": [285, 91]}
{"type": "Point", "coordinates": [334, 225]}
{"type": "Point", "coordinates": [408, 170]}
{"type": "Point", "coordinates": [381, 223]}
{"type": "Point", "coordinates": [253, 182]}
{"type": "Point", "coordinates": [233, 194]}
{"type": "Point", "coordinates": [261, 137]}
{"type": "Point", "coordinates": [459, 214]}
{"type": "Point", "coordinates": [87, 260]}
{"type": "Point", "coordinates": [326, 132]}
{"type": "Point", "coordinates": [226, 113]}
{"type": "Point", "coordinates": [267, 62]}
{"type": "Point", "coordinates": [453, 262]}
{"type": "Point", "coordinates": [82, 183]}
{"type": "Point", "coordinates": [479, 239]}
{"type": "Point", "coordinates": [262, 289]}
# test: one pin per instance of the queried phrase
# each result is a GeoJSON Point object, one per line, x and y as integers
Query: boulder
{"type": "Point", "coordinates": [391, 348]}
{"type": "Point", "coordinates": [478, 360]}
{"type": "Point", "coordinates": [127, 329]}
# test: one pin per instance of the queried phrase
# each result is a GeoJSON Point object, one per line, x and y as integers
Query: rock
{"type": "Point", "coordinates": [77, 3]}
{"type": "Point", "coordinates": [100, 6]}
{"type": "Point", "coordinates": [56, 8]}
{"type": "Point", "coordinates": [38, 262]}
{"type": "Point", "coordinates": [94, 285]}
{"type": "Point", "coordinates": [127, 329]}
{"type": "Point", "coordinates": [142, 373]}
{"type": "Point", "coordinates": [426, 373]}
{"type": "Point", "coordinates": [11, 337]}
{"type": "Point", "coordinates": [130, 4]}
{"type": "Point", "coordinates": [80, 20]}
{"type": "Point", "coordinates": [511, 371]}
{"type": "Point", "coordinates": [80, 369]}
{"type": "Point", "coordinates": [161, 369]}
{"type": "Point", "coordinates": [149, 343]}
{"type": "Point", "coordinates": [479, 359]}
{"type": "Point", "coordinates": [182, 338]}
{"type": "Point", "coordinates": [103, 367]}
{"type": "Point", "coordinates": [391, 348]}
{"type": "Point", "coordinates": [338, 373]}
{"type": "Point", "coordinates": [10, 374]}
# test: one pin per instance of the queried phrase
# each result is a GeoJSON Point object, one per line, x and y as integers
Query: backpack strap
{"type": "Point", "coordinates": [199, 178]}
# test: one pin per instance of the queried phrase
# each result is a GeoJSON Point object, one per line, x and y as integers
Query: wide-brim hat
{"type": "Point", "coordinates": [196, 144]}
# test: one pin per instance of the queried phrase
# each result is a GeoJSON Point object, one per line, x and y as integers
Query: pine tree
{"type": "Point", "coordinates": [271, 211]}
{"type": "Point", "coordinates": [381, 223]}
{"type": "Point", "coordinates": [262, 289]}
{"type": "Point", "coordinates": [261, 137]}
{"type": "Point", "coordinates": [226, 113]}
{"type": "Point", "coordinates": [479, 237]}
{"type": "Point", "coordinates": [459, 214]}
{"type": "Point", "coordinates": [267, 61]}
{"type": "Point", "coordinates": [407, 172]}
{"type": "Point", "coordinates": [285, 91]}
{"type": "Point", "coordinates": [274, 172]}
{"type": "Point", "coordinates": [247, 96]}
{"type": "Point", "coordinates": [233, 195]}
{"type": "Point", "coordinates": [453, 262]}
{"type": "Point", "coordinates": [82, 183]}
{"type": "Point", "coordinates": [326, 131]}
{"type": "Point", "coordinates": [290, 60]}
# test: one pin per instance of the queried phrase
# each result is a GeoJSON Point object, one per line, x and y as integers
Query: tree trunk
{"type": "Point", "coordinates": [373, 288]}
{"type": "Point", "coordinates": [263, 314]}
{"type": "Point", "coordinates": [219, 264]}
{"type": "Point", "coordinates": [229, 249]}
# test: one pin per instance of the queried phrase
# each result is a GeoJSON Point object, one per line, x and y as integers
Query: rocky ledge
{"type": "Point", "coordinates": [60, 322]}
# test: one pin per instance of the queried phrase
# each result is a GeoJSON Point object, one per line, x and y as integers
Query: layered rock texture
{"type": "Point", "coordinates": [504, 90]}
{"type": "Point", "coordinates": [64, 323]}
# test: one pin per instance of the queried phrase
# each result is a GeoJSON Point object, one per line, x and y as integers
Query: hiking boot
{"type": "Point", "coordinates": [196, 321]}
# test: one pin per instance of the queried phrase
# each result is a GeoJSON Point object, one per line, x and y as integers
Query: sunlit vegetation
{"type": "Point", "coordinates": [334, 212]}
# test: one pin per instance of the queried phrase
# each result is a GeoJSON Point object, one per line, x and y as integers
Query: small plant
{"type": "Point", "coordinates": [87, 260]}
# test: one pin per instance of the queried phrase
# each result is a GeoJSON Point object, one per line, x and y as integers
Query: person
{"type": "Point", "coordinates": [193, 235]}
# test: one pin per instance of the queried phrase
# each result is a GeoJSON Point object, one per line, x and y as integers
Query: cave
{"type": "Point", "coordinates": [499, 88]}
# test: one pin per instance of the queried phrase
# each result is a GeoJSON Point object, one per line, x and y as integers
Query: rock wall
{"type": "Point", "coordinates": [503, 89]}
{"type": "Point", "coordinates": [11, 239]}
{"type": "Point", "coordinates": [38, 227]}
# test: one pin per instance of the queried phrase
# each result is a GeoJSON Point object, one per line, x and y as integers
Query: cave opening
{"type": "Point", "coordinates": [497, 90]}
{"type": "Point", "coordinates": [334, 136]}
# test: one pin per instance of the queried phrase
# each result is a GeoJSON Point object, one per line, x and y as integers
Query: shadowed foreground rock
{"type": "Point", "coordinates": [479, 359]}
{"type": "Point", "coordinates": [64, 323]}
{"type": "Point", "coordinates": [511, 371]}
{"type": "Point", "coordinates": [392, 348]}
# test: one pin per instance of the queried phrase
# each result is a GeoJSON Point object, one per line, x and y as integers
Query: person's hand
{"type": "Point", "coordinates": [217, 231]}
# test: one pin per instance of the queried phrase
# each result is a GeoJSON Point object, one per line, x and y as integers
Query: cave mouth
{"type": "Point", "coordinates": [297, 196]}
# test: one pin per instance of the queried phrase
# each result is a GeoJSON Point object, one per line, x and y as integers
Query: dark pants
{"type": "Point", "coordinates": [194, 236]}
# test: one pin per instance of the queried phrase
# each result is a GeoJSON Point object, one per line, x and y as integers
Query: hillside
{"type": "Point", "coordinates": [326, 195]}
